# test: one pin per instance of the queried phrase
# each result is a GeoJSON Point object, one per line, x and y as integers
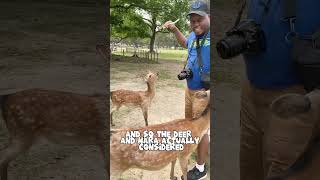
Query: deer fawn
{"type": "Point", "coordinates": [60, 117]}
{"type": "Point", "coordinates": [126, 156]}
{"type": "Point", "coordinates": [140, 99]}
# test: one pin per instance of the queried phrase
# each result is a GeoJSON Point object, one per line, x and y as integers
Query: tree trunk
{"type": "Point", "coordinates": [153, 36]}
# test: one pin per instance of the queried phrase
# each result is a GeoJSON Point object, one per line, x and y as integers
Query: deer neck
{"type": "Point", "coordinates": [151, 89]}
{"type": "Point", "coordinates": [203, 122]}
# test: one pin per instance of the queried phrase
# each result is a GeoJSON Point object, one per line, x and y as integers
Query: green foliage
{"type": "Point", "coordinates": [138, 19]}
{"type": "Point", "coordinates": [127, 25]}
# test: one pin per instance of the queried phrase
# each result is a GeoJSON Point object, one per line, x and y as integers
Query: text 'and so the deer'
{"type": "Point", "coordinates": [160, 140]}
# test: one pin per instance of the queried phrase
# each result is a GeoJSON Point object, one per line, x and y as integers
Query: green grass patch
{"type": "Point", "coordinates": [164, 54]}
{"type": "Point", "coordinates": [168, 54]}
{"type": "Point", "coordinates": [129, 59]}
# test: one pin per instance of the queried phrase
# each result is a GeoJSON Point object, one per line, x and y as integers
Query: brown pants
{"type": "Point", "coordinates": [269, 146]}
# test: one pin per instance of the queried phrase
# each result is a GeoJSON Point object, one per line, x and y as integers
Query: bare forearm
{"type": "Point", "coordinates": [180, 37]}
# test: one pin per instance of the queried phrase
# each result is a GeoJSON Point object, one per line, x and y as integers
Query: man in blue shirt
{"type": "Point", "coordinates": [200, 25]}
{"type": "Point", "coordinates": [267, 152]}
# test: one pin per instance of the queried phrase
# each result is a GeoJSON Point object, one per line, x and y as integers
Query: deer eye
{"type": "Point", "coordinates": [149, 76]}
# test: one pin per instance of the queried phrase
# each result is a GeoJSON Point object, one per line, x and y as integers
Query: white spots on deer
{"type": "Point", "coordinates": [124, 156]}
{"type": "Point", "coordinates": [60, 117]}
{"type": "Point", "coordinates": [141, 99]}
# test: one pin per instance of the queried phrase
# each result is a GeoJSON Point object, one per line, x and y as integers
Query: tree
{"type": "Point", "coordinates": [143, 18]}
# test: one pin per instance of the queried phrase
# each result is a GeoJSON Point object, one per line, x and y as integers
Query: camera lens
{"type": "Point", "coordinates": [181, 76]}
{"type": "Point", "coordinates": [185, 74]}
{"type": "Point", "coordinates": [231, 46]}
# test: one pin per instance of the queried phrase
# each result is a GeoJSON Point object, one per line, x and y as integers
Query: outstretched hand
{"type": "Point", "coordinates": [170, 25]}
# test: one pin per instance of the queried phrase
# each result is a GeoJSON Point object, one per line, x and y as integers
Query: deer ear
{"type": "Point", "coordinates": [157, 74]}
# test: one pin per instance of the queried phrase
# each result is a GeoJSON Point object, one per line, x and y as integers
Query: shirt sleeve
{"type": "Point", "coordinates": [189, 40]}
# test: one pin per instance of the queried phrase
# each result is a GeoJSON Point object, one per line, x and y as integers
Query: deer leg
{"type": "Point", "coordinates": [114, 108]}
{"type": "Point", "coordinates": [145, 114]}
{"type": "Point", "coordinates": [184, 166]}
{"type": "Point", "coordinates": [172, 177]}
{"type": "Point", "coordinates": [8, 154]}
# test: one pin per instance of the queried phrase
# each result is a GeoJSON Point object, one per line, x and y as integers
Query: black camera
{"type": "Point", "coordinates": [246, 37]}
{"type": "Point", "coordinates": [186, 73]}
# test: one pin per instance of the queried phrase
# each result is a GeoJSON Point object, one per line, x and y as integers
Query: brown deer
{"type": "Point", "coordinates": [297, 116]}
{"type": "Point", "coordinates": [60, 117]}
{"type": "Point", "coordinates": [141, 99]}
{"type": "Point", "coordinates": [126, 156]}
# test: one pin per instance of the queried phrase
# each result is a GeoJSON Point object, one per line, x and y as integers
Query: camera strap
{"type": "Point", "coordinates": [264, 3]}
{"type": "Point", "coordinates": [198, 47]}
{"type": "Point", "coordinates": [189, 53]}
{"type": "Point", "coordinates": [244, 3]}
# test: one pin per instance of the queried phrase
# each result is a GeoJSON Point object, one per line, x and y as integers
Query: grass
{"type": "Point", "coordinates": [170, 54]}
{"type": "Point", "coordinates": [165, 54]}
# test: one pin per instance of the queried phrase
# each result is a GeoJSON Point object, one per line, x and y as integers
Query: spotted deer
{"type": "Point", "coordinates": [60, 117]}
{"type": "Point", "coordinates": [126, 156]}
{"type": "Point", "coordinates": [141, 99]}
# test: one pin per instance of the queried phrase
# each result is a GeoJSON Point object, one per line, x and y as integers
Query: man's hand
{"type": "Point", "coordinates": [170, 25]}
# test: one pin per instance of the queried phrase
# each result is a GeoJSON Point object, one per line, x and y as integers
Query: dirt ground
{"type": "Point", "coordinates": [52, 45]}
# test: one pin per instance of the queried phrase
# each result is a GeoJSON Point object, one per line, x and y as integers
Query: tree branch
{"type": "Point", "coordinates": [126, 7]}
{"type": "Point", "coordinates": [150, 25]}
{"type": "Point", "coordinates": [121, 38]}
{"type": "Point", "coordinates": [147, 20]}
{"type": "Point", "coordinates": [162, 31]}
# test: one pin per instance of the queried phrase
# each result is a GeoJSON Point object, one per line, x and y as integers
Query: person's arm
{"type": "Point", "coordinates": [179, 36]}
